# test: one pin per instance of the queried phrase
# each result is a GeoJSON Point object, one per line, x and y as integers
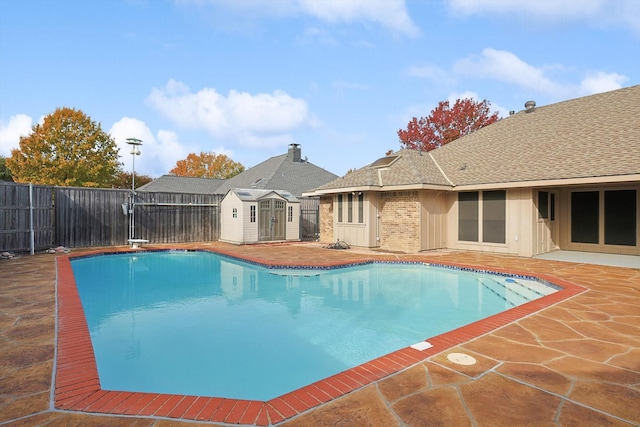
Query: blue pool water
{"type": "Point", "coordinates": [198, 323]}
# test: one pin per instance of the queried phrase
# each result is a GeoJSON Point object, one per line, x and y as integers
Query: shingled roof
{"type": "Point", "coordinates": [285, 172]}
{"type": "Point", "coordinates": [591, 139]}
{"type": "Point", "coordinates": [288, 172]}
{"type": "Point", "coordinates": [182, 184]}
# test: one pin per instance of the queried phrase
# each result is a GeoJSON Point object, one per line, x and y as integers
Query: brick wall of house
{"type": "Point", "coordinates": [400, 221]}
{"type": "Point", "coordinates": [326, 219]}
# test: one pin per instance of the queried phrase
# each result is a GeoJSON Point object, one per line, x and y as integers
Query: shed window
{"type": "Point", "coordinates": [234, 212]}
{"type": "Point", "coordinates": [360, 208]}
{"type": "Point", "coordinates": [290, 214]}
{"type": "Point", "coordinates": [252, 213]}
{"type": "Point", "coordinates": [350, 207]}
{"type": "Point", "coordinates": [339, 207]}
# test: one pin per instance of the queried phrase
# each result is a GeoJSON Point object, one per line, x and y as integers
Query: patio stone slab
{"type": "Point", "coordinates": [497, 401]}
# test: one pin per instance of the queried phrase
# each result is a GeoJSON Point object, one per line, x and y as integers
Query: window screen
{"type": "Point", "coordinates": [494, 216]}
{"type": "Point", "coordinates": [585, 216]}
{"type": "Point", "coordinates": [620, 217]}
{"type": "Point", "coordinates": [468, 216]}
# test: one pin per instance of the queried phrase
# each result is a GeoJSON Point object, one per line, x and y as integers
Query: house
{"type": "Point", "coordinates": [563, 176]}
{"type": "Point", "coordinates": [251, 216]}
{"type": "Point", "coordinates": [288, 172]}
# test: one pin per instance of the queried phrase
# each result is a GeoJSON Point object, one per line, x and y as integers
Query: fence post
{"type": "Point", "coordinates": [31, 232]}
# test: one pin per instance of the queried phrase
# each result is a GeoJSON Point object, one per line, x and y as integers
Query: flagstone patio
{"type": "Point", "coordinates": [576, 362]}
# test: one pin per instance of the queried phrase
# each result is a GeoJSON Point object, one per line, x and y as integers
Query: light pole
{"type": "Point", "coordinates": [135, 151]}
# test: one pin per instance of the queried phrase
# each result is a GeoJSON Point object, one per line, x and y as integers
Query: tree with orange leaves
{"type": "Point", "coordinates": [207, 165]}
{"type": "Point", "coordinates": [66, 149]}
{"type": "Point", "coordinates": [446, 123]}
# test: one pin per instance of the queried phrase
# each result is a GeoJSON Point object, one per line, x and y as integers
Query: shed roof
{"type": "Point", "coordinates": [596, 137]}
{"type": "Point", "coordinates": [252, 195]}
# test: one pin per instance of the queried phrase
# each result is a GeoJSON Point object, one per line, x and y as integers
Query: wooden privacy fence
{"type": "Point", "coordinates": [26, 217]}
{"type": "Point", "coordinates": [35, 218]}
{"type": "Point", "coordinates": [177, 218]}
{"type": "Point", "coordinates": [84, 217]}
{"type": "Point", "coordinates": [100, 217]}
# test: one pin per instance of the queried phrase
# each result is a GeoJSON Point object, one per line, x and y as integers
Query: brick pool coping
{"type": "Point", "coordinates": [77, 384]}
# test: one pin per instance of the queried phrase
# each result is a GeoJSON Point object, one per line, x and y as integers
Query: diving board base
{"type": "Point", "coordinates": [136, 243]}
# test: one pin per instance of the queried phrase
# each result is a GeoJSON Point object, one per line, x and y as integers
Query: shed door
{"type": "Point", "coordinates": [272, 223]}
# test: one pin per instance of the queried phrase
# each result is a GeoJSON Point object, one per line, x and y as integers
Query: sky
{"type": "Point", "coordinates": [246, 78]}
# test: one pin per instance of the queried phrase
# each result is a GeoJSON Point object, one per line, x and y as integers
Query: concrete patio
{"type": "Point", "coordinates": [576, 362]}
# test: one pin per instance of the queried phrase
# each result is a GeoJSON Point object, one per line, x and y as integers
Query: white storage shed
{"type": "Point", "coordinates": [252, 216]}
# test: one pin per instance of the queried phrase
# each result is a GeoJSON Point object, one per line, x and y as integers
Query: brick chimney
{"type": "Point", "coordinates": [295, 154]}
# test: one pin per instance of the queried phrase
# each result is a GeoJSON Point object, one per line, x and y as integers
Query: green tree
{"type": "Point", "coordinates": [207, 165]}
{"type": "Point", "coordinates": [67, 149]}
{"type": "Point", "coordinates": [5, 172]}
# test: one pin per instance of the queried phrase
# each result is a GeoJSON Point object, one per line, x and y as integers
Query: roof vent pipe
{"type": "Point", "coordinates": [529, 106]}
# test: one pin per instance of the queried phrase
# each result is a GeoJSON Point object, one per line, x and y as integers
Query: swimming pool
{"type": "Point", "coordinates": [255, 333]}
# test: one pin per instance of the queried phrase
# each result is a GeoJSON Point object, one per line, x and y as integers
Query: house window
{"type": "Point", "coordinates": [585, 216]}
{"type": "Point", "coordinates": [494, 216]}
{"type": "Point", "coordinates": [234, 212]}
{"type": "Point", "coordinates": [468, 216]}
{"type": "Point", "coordinates": [350, 207]}
{"type": "Point", "coordinates": [360, 208]}
{"type": "Point", "coordinates": [543, 204]}
{"type": "Point", "coordinates": [339, 207]}
{"type": "Point", "coordinates": [620, 217]}
{"type": "Point", "coordinates": [546, 205]}
{"type": "Point", "coordinates": [290, 214]}
{"type": "Point", "coordinates": [252, 213]}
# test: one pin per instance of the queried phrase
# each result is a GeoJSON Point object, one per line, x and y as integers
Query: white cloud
{"type": "Point", "coordinates": [259, 120]}
{"type": "Point", "coordinates": [159, 153]}
{"type": "Point", "coordinates": [595, 12]}
{"type": "Point", "coordinates": [601, 82]}
{"type": "Point", "coordinates": [390, 14]}
{"type": "Point", "coordinates": [10, 133]}
{"type": "Point", "coordinates": [506, 66]}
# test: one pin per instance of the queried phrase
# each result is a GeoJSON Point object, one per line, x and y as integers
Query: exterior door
{"type": "Point", "coordinates": [547, 229]}
{"type": "Point", "coordinates": [272, 225]}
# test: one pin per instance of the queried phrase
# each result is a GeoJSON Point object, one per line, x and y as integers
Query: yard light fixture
{"type": "Point", "coordinates": [135, 151]}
